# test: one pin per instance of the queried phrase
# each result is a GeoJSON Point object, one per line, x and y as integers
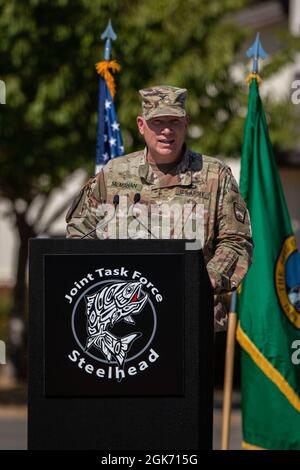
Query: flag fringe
{"type": "Point", "coordinates": [104, 69]}
{"type": "Point", "coordinates": [267, 368]}
{"type": "Point", "coordinates": [247, 446]}
{"type": "Point", "coordinates": [253, 76]}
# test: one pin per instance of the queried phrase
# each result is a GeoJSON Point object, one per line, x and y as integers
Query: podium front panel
{"type": "Point", "coordinates": [120, 346]}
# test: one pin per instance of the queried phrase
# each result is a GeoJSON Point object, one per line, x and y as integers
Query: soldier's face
{"type": "Point", "coordinates": [164, 136]}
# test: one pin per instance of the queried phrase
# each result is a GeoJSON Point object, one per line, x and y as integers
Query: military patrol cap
{"type": "Point", "coordinates": [163, 101]}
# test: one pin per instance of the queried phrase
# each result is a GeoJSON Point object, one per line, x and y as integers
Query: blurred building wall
{"type": "Point", "coordinates": [290, 178]}
{"type": "Point", "coordinates": [9, 239]}
{"type": "Point", "coordinates": [8, 243]}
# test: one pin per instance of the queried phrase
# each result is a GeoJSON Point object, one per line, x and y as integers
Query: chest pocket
{"type": "Point", "coordinates": [195, 220]}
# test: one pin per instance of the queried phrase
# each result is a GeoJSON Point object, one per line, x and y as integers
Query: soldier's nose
{"type": "Point", "coordinates": [166, 130]}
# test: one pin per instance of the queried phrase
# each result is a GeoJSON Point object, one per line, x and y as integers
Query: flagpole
{"type": "Point", "coordinates": [109, 142]}
{"type": "Point", "coordinates": [255, 52]}
{"type": "Point", "coordinates": [228, 375]}
{"type": "Point", "coordinates": [108, 36]}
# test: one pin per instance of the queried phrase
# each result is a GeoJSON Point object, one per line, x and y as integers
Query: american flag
{"type": "Point", "coordinates": [109, 138]}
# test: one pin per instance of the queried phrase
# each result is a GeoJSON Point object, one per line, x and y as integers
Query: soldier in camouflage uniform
{"type": "Point", "coordinates": [167, 171]}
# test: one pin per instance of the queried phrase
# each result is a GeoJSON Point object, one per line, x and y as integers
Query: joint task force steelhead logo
{"type": "Point", "coordinates": [287, 280]}
{"type": "Point", "coordinates": [106, 322]}
{"type": "Point", "coordinates": [118, 329]}
{"type": "Point", "coordinates": [114, 323]}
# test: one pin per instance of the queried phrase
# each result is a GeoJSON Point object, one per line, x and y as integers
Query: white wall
{"type": "Point", "coordinates": [9, 237]}
{"type": "Point", "coordinates": [290, 178]}
{"type": "Point", "coordinates": [8, 245]}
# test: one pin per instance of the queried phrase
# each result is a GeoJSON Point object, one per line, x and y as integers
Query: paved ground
{"type": "Point", "coordinates": [13, 427]}
{"type": "Point", "coordinates": [13, 424]}
{"type": "Point", "coordinates": [236, 431]}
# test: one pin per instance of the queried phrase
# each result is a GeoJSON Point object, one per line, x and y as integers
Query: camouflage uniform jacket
{"type": "Point", "coordinates": [205, 180]}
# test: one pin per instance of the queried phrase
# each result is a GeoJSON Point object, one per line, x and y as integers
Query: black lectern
{"type": "Point", "coordinates": [120, 346]}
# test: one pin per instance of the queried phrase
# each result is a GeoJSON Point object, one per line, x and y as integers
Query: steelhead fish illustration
{"type": "Point", "coordinates": [106, 307]}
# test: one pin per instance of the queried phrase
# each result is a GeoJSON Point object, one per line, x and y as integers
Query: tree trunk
{"type": "Point", "coordinates": [18, 321]}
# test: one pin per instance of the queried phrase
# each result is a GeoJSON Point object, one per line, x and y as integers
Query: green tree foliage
{"type": "Point", "coordinates": [47, 54]}
{"type": "Point", "coordinates": [191, 46]}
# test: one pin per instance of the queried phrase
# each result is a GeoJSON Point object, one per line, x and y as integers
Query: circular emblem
{"type": "Point", "coordinates": [287, 280]}
{"type": "Point", "coordinates": [114, 321]}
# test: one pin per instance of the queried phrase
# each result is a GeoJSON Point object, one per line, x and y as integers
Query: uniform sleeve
{"type": "Point", "coordinates": [233, 240]}
{"type": "Point", "coordinates": [86, 209]}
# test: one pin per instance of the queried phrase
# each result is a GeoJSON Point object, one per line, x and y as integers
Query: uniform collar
{"type": "Point", "coordinates": [181, 177]}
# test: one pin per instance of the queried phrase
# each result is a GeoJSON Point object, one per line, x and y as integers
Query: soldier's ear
{"type": "Point", "coordinates": [141, 124]}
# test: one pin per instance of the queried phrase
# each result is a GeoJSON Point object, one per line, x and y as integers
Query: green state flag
{"type": "Point", "coordinates": [269, 302]}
